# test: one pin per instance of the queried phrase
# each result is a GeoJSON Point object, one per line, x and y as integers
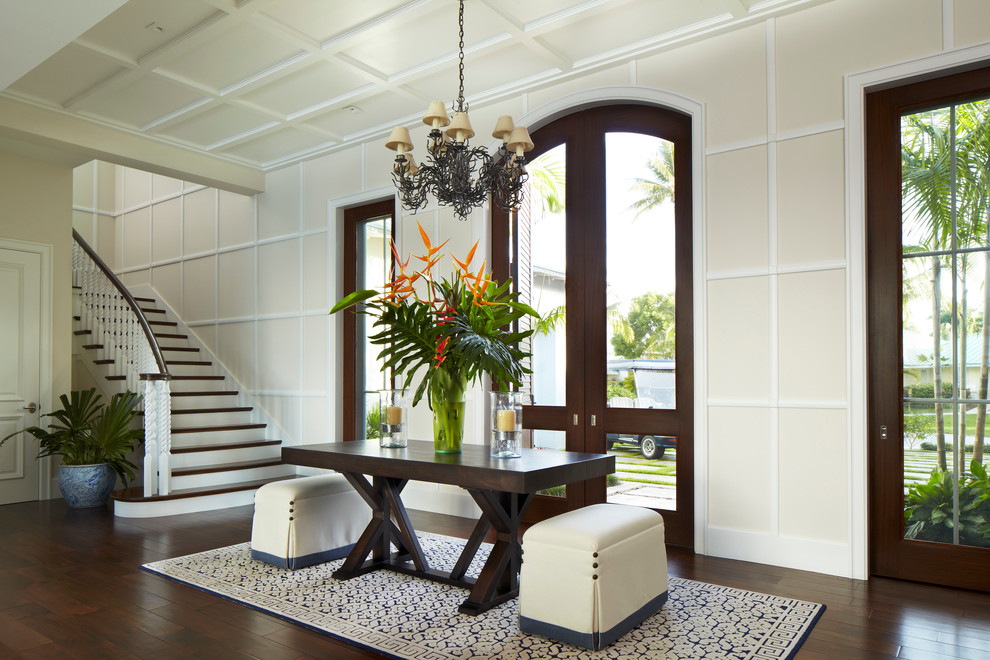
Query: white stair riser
{"type": "Point", "coordinates": [216, 438]}
{"type": "Point", "coordinates": [203, 458]}
{"type": "Point", "coordinates": [189, 369]}
{"type": "Point", "coordinates": [231, 477]}
{"type": "Point", "coordinates": [198, 385]}
{"type": "Point", "coordinates": [184, 421]}
{"type": "Point", "coordinates": [191, 402]}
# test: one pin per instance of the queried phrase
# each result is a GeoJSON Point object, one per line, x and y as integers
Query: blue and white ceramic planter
{"type": "Point", "coordinates": [85, 486]}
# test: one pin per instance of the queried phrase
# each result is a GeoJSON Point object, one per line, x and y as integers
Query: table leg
{"type": "Point", "coordinates": [499, 578]}
{"type": "Point", "coordinates": [384, 498]}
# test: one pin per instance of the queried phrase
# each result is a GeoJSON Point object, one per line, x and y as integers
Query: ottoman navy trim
{"type": "Point", "coordinates": [292, 563]}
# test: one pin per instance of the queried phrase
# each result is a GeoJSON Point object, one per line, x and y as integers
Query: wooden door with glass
{"type": "Point", "coordinates": [602, 249]}
{"type": "Point", "coordinates": [928, 275]}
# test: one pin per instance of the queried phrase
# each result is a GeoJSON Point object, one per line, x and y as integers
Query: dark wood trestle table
{"type": "Point", "coordinates": [501, 487]}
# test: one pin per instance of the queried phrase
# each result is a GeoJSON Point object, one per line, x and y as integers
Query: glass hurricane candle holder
{"type": "Point", "coordinates": [506, 410]}
{"type": "Point", "coordinates": [394, 418]}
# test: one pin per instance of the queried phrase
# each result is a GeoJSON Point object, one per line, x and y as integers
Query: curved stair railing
{"type": "Point", "coordinates": [116, 321]}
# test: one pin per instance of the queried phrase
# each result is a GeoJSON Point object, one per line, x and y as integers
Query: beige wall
{"type": "Point", "coordinates": [779, 447]}
{"type": "Point", "coordinates": [35, 205]}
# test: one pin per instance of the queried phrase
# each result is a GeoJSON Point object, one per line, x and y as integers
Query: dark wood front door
{"type": "Point", "coordinates": [614, 371]}
{"type": "Point", "coordinates": [928, 272]}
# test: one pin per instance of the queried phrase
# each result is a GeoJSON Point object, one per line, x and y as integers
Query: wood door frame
{"type": "Point", "coordinates": [352, 217]}
{"type": "Point", "coordinates": [46, 396]}
{"type": "Point", "coordinates": [587, 158]}
{"type": "Point", "coordinates": [890, 553]}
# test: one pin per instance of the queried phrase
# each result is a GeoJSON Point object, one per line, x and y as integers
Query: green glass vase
{"type": "Point", "coordinates": [447, 394]}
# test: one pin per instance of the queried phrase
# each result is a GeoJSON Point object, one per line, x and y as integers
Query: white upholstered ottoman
{"type": "Point", "coordinates": [299, 522]}
{"type": "Point", "coordinates": [591, 575]}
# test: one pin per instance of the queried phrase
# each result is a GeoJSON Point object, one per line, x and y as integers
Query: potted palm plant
{"type": "Point", "coordinates": [93, 440]}
{"type": "Point", "coordinates": [451, 331]}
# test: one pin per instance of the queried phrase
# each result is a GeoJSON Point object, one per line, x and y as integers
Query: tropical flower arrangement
{"type": "Point", "coordinates": [452, 330]}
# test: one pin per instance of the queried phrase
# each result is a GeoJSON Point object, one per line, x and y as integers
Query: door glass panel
{"type": "Point", "coordinates": [542, 263]}
{"type": "Point", "coordinates": [374, 238]}
{"type": "Point", "coordinates": [550, 440]}
{"type": "Point", "coordinates": [945, 342]}
{"type": "Point", "coordinates": [640, 333]}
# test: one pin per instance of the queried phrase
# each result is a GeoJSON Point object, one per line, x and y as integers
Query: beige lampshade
{"type": "Point", "coordinates": [460, 127]}
{"type": "Point", "coordinates": [503, 128]}
{"type": "Point", "coordinates": [436, 112]}
{"type": "Point", "coordinates": [399, 140]}
{"type": "Point", "coordinates": [520, 141]}
{"type": "Point", "coordinates": [411, 165]}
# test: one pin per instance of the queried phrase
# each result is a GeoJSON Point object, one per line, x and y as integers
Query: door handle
{"type": "Point", "coordinates": [31, 407]}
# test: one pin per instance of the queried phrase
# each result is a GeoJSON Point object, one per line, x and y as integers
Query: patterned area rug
{"type": "Point", "coordinates": [410, 618]}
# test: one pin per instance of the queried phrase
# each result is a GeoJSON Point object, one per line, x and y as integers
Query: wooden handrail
{"type": "Point", "coordinates": [155, 350]}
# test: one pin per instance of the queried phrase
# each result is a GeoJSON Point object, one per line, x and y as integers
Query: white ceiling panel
{"type": "Point", "coordinates": [492, 70]}
{"type": "Point", "coordinates": [141, 102]}
{"type": "Point", "coordinates": [216, 124]}
{"type": "Point", "coordinates": [322, 21]}
{"type": "Point", "coordinates": [65, 75]}
{"type": "Point", "coordinates": [392, 47]}
{"type": "Point", "coordinates": [230, 57]}
{"type": "Point", "coordinates": [267, 82]}
{"type": "Point", "coordinates": [379, 110]}
{"type": "Point", "coordinates": [141, 26]}
{"type": "Point", "coordinates": [276, 145]}
{"type": "Point", "coordinates": [308, 87]}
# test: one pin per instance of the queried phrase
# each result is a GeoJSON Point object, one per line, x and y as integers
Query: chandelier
{"type": "Point", "coordinates": [456, 173]}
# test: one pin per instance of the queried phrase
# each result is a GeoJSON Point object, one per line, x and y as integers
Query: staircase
{"type": "Point", "coordinates": [221, 446]}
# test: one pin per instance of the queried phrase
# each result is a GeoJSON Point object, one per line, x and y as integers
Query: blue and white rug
{"type": "Point", "coordinates": [410, 618]}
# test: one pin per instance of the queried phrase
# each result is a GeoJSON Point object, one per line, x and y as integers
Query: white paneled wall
{"type": "Point", "coordinates": [779, 434]}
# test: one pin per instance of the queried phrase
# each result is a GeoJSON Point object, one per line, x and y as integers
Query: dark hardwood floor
{"type": "Point", "coordinates": [70, 587]}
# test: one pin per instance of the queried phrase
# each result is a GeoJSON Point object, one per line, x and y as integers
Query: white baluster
{"type": "Point", "coordinates": [151, 435]}
{"type": "Point", "coordinates": [165, 438]}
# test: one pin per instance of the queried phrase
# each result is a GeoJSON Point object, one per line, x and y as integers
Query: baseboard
{"type": "Point", "coordinates": [786, 551]}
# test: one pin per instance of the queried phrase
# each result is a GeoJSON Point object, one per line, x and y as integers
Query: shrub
{"type": "Point", "coordinates": [928, 507]}
{"type": "Point", "coordinates": [929, 446]}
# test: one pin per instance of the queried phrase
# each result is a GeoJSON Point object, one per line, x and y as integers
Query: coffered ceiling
{"type": "Point", "coordinates": [263, 83]}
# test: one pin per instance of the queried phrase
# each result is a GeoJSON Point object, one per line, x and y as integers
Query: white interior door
{"type": "Point", "coordinates": [20, 371]}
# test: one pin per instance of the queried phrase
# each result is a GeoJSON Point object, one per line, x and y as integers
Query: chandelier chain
{"type": "Point", "coordinates": [460, 47]}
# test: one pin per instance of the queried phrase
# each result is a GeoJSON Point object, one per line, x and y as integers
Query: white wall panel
{"type": "Point", "coordinates": [315, 351]}
{"type": "Point", "coordinates": [739, 469]}
{"type": "Point", "coordinates": [208, 335]}
{"type": "Point", "coordinates": [378, 161]}
{"type": "Point", "coordinates": [810, 199]}
{"type": "Point", "coordinates": [167, 281]}
{"type": "Point", "coordinates": [818, 46]}
{"type": "Point", "coordinates": [106, 235]}
{"type": "Point", "coordinates": [314, 273]}
{"type": "Point", "coordinates": [135, 188]}
{"type": "Point", "coordinates": [278, 355]}
{"type": "Point", "coordinates": [82, 222]}
{"type": "Point", "coordinates": [315, 421]}
{"type": "Point", "coordinates": [616, 75]}
{"type": "Point", "coordinates": [813, 482]}
{"type": "Point", "coordinates": [285, 411]}
{"type": "Point", "coordinates": [734, 96]}
{"type": "Point", "coordinates": [82, 185]}
{"type": "Point", "coordinates": [278, 277]}
{"type": "Point", "coordinates": [278, 206]}
{"type": "Point", "coordinates": [328, 178]}
{"type": "Point", "coordinates": [736, 197]}
{"type": "Point", "coordinates": [236, 219]}
{"type": "Point", "coordinates": [199, 289]}
{"type": "Point", "coordinates": [163, 186]}
{"type": "Point", "coordinates": [236, 284]}
{"type": "Point", "coordinates": [199, 222]}
{"type": "Point", "coordinates": [812, 343]}
{"type": "Point", "coordinates": [738, 338]}
{"type": "Point", "coordinates": [137, 238]}
{"type": "Point", "coordinates": [236, 350]}
{"type": "Point", "coordinates": [970, 21]}
{"type": "Point", "coordinates": [166, 225]}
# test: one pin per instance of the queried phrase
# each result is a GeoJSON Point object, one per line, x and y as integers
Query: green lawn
{"type": "Point", "coordinates": [629, 461]}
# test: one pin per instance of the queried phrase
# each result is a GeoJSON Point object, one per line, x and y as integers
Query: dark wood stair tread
{"type": "Point", "coordinates": [107, 361]}
{"type": "Point", "coordinates": [202, 411]}
{"type": "Point", "coordinates": [116, 377]}
{"type": "Point", "coordinates": [82, 332]}
{"type": "Point", "coordinates": [225, 447]}
{"type": "Point", "coordinates": [166, 335]}
{"type": "Point", "coordinates": [206, 393]}
{"type": "Point", "coordinates": [147, 300]}
{"type": "Point", "coordinates": [224, 427]}
{"type": "Point", "coordinates": [152, 311]}
{"type": "Point", "coordinates": [184, 349]}
{"type": "Point", "coordinates": [190, 363]}
{"type": "Point", "coordinates": [92, 347]}
{"type": "Point", "coordinates": [197, 377]}
{"type": "Point", "coordinates": [171, 324]}
{"type": "Point", "coordinates": [226, 467]}
{"type": "Point", "coordinates": [77, 318]}
{"type": "Point", "coordinates": [137, 494]}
